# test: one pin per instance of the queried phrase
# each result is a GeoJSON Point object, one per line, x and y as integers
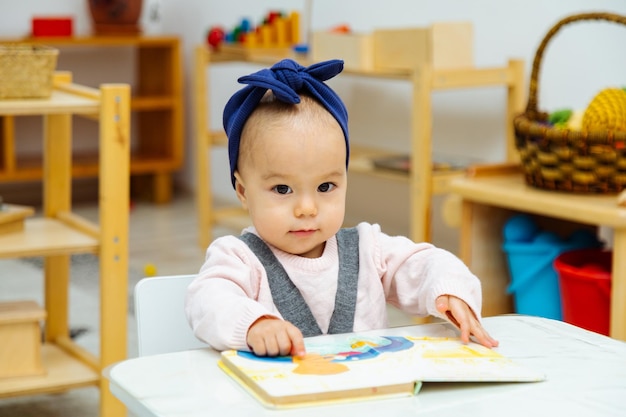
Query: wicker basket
{"type": "Point", "coordinates": [567, 160]}
{"type": "Point", "coordinates": [26, 70]}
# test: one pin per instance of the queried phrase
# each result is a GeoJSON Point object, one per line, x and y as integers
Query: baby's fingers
{"type": "Point", "coordinates": [459, 313]}
{"type": "Point", "coordinates": [296, 341]}
{"type": "Point", "coordinates": [482, 336]}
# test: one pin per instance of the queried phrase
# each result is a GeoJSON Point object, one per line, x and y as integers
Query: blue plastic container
{"type": "Point", "coordinates": [531, 253]}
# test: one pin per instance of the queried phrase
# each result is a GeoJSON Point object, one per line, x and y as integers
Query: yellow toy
{"type": "Point", "coordinates": [607, 111]}
{"type": "Point", "coordinates": [149, 270]}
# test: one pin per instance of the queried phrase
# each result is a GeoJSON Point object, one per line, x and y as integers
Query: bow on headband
{"type": "Point", "coordinates": [286, 79]}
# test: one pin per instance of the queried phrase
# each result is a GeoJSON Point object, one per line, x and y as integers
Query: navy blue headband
{"type": "Point", "coordinates": [286, 79]}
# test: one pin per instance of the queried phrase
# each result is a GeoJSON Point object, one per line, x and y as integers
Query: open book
{"type": "Point", "coordinates": [360, 366]}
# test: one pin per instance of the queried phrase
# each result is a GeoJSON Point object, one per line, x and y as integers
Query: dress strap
{"type": "Point", "coordinates": [288, 298]}
{"type": "Point", "coordinates": [342, 320]}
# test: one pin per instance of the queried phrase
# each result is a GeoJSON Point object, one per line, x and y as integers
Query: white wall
{"type": "Point", "coordinates": [581, 60]}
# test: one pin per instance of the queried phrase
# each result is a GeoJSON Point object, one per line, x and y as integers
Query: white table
{"type": "Point", "coordinates": [586, 376]}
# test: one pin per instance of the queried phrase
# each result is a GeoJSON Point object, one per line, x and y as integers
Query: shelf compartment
{"type": "Point", "coordinates": [58, 103]}
{"type": "Point", "coordinates": [158, 91]}
{"type": "Point", "coordinates": [63, 372]}
{"type": "Point", "coordinates": [362, 161]}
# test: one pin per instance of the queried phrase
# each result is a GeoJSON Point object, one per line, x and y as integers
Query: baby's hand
{"type": "Point", "coordinates": [269, 336]}
{"type": "Point", "coordinates": [463, 317]}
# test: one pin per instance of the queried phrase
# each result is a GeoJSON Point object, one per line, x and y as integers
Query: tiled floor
{"type": "Point", "coordinates": [161, 236]}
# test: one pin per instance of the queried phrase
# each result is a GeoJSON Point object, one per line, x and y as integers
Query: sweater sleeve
{"type": "Point", "coordinates": [415, 274]}
{"type": "Point", "coordinates": [223, 300]}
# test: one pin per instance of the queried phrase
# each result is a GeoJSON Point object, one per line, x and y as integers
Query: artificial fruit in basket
{"type": "Point", "coordinates": [566, 119]}
{"type": "Point", "coordinates": [606, 111]}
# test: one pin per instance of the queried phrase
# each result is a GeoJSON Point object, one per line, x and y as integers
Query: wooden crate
{"type": "Point", "coordinates": [444, 45]}
{"type": "Point", "coordinates": [20, 339]}
{"type": "Point", "coordinates": [356, 49]}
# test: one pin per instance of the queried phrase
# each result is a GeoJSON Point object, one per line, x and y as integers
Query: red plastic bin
{"type": "Point", "coordinates": [585, 286]}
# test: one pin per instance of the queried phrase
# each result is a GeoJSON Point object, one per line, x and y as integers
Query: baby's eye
{"type": "Point", "coordinates": [326, 187]}
{"type": "Point", "coordinates": [282, 189]}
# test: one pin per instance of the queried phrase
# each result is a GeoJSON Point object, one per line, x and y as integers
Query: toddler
{"type": "Point", "coordinates": [296, 272]}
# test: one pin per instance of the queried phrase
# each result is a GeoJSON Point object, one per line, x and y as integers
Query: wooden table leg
{"type": "Point", "coordinates": [618, 286]}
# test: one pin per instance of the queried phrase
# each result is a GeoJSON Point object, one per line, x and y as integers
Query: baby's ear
{"type": "Point", "coordinates": [240, 189]}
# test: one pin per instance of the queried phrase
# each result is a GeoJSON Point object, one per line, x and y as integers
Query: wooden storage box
{"type": "Point", "coordinates": [444, 45]}
{"type": "Point", "coordinates": [12, 217]}
{"type": "Point", "coordinates": [52, 26]}
{"type": "Point", "coordinates": [20, 339]}
{"type": "Point", "coordinates": [356, 49]}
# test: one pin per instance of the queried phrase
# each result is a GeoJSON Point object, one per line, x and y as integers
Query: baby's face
{"type": "Point", "coordinates": [293, 180]}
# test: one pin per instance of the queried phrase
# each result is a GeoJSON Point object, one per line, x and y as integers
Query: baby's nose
{"type": "Point", "coordinates": [306, 207]}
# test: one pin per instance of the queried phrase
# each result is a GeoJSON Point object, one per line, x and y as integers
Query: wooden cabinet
{"type": "Point", "coordinates": [59, 233]}
{"type": "Point", "coordinates": [423, 181]}
{"type": "Point", "coordinates": [156, 104]}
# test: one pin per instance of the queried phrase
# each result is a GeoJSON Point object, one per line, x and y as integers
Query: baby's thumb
{"type": "Point", "coordinates": [441, 303]}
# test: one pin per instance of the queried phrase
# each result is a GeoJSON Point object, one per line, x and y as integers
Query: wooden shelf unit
{"type": "Point", "coordinates": [494, 193]}
{"type": "Point", "coordinates": [157, 104]}
{"type": "Point", "coordinates": [423, 181]}
{"type": "Point", "coordinates": [59, 233]}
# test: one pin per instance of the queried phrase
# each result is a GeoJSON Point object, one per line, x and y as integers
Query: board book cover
{"type": "Point", "coordinates": [357, 367]}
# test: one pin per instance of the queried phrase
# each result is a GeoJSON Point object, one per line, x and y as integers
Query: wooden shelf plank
{"type": "Point", "coordinates": [100, 40]}
{"type": "Point", "coordinates": [147, 103]}
{"type": "Point", "coordinates": [58, 102]}
{"type": "Point", "coordinates": [45, 237]}
{"type": "Point", "coordinates": [84, 165]}
{"type": "Point", "coordinates": [511, 191]}
{"type": "Point", "coordinates": [63, 372]}
{"type": "Point", "coordinates": [471, 77]}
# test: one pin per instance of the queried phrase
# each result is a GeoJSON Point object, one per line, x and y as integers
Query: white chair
{"type": "Point", "coordinates": [162, 326]}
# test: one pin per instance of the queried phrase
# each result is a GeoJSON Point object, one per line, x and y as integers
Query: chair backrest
{"type": "Point", "coordinates": [161, 322]}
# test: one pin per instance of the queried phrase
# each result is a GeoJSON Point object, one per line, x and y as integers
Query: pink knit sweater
{"type": "Point", "coordinates": [232, 290]}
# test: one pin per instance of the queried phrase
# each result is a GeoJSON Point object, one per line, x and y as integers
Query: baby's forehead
{"type": "Point", "coordinates": [297, 120]}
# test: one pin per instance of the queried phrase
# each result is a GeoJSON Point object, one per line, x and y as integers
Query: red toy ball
{"type": "Point", "coordinates": [215, 36]}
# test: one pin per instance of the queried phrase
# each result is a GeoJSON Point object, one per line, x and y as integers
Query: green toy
{"type": "Point", "coordinates": [559, 118]}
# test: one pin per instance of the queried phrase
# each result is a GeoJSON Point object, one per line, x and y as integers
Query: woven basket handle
{"type": "Point", "coordinates": [531, 107]}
